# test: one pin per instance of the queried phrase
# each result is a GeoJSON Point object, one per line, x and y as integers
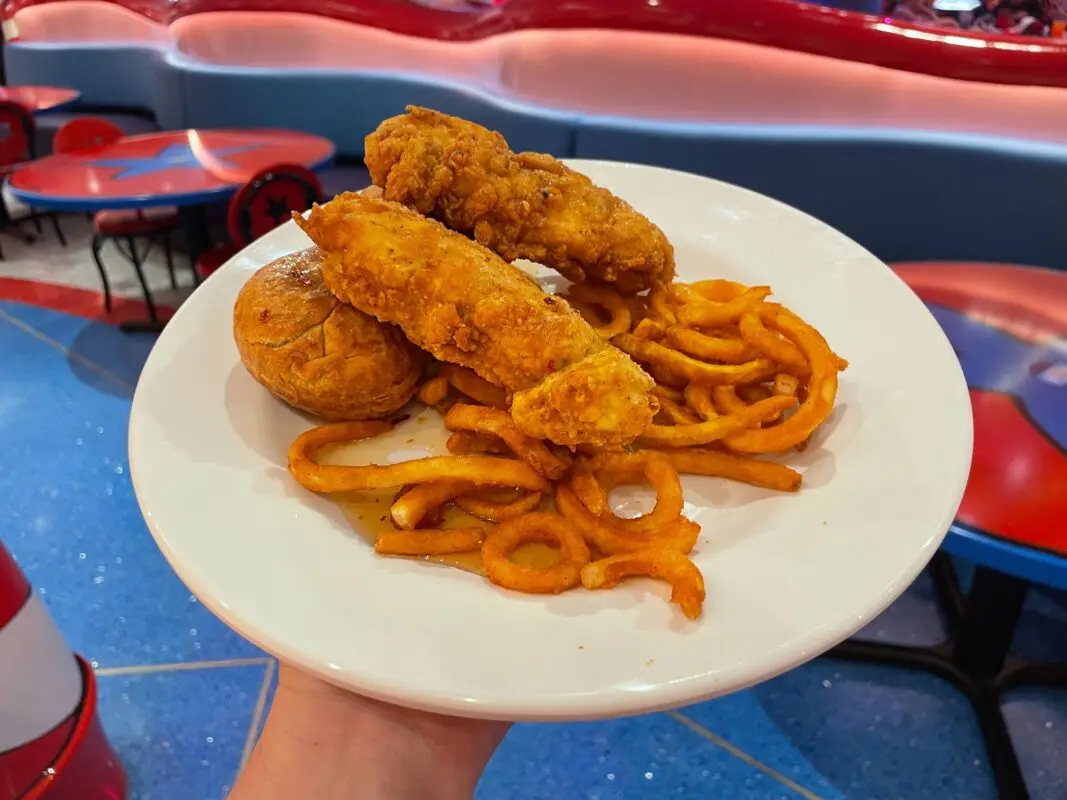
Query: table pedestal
{"type": "Point", "coordinates": [974, 659]}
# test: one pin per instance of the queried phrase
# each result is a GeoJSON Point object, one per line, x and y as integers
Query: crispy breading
{"type": "Point", "coordinates": [520, 205]}
{"type": "Point", "coordinates": [463, 304]}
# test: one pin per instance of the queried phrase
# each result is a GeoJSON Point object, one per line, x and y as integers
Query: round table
{"type": "Point", "coordinates": [173, 168]}
{"type": "Point", "coordinates": [40, 98]}
{"type": "Point", "coordinates": [1008, 325]}
{"type": "Point", "coordinates": [187, 169]}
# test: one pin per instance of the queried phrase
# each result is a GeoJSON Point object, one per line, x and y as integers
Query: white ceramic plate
{"type": "Point", "coordinates": [788, 575]}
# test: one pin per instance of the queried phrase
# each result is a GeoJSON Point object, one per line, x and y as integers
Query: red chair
{"type": "Point", "coordinates": [86, 134]}
{"type": "Point", "coordinates": [18, 130]}
{"type": "Point", "coordinates": [260, 206]}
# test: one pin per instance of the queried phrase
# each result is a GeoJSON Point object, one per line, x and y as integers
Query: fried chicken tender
{"type": "Point", "coordinates": [520, 205]}
{"type": "Point", "coordinates": [463, 304]}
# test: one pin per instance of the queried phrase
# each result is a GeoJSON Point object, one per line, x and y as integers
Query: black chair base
{"type": "Point", "coordinates": [975, 658]}
{"type": "Point", "coordinates": [136, 259]}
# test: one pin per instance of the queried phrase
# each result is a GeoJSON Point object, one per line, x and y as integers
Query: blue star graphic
{"type": "Point", "coordinates": [174, 156]}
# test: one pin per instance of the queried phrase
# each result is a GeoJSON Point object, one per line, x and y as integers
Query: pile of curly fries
{"type": "Point", "coordinates": [736, 376]}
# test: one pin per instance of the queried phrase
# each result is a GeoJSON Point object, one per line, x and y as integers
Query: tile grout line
{"type": "Point", "coordinates": [26, 328]}
{"type": "Point", "coordinates": [257, 714]}
{"type": "Point", "coordinates": [737, 752]}
{"type": "Point", "coordinates": [181, 666]}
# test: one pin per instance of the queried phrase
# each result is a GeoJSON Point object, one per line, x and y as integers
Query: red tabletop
{"type": "Point", "coordinates": [1008, 325]}
{"type": "Point", "coordinates": [159, 169]}
{"type": "Point", "coordinates": [40, 98]}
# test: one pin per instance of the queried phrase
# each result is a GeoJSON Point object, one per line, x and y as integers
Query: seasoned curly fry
{"type": "Point", "coordinates": [587, 488]}
{"type": "Point", "coordinates": [717, 428]}
{"type": "Point", "coordinates": [674, 411]}
{"type": "Point", "coordinates": [687, 583]}
{"type": "Point", "coordinates": [608, 299]}
{"type": "Point", "coordinates": [709, 348]}
{"type": "Point", "coordinates": [429, 542]}
{"type": "Point", "coordinates": [410, 508]}
{"type": "Point", "coordinates": [690, 369]}
{"type": "Point", "coordinates": [462, 443]}
{"type": "Point", "coordinates": [701, 313]}
{"type": "Point", "coordinates": [499, 423]}
{"type": "Point", "coordinates": [480, 470]}
{"type": "Point", "coordinates": [716, 464]}
{"type": "Point", "coordinates": [494, 511]}
{"type": "Point", "coordinates": [821, 392]}
{"type": "Point", "coordinates": [647, 466]}
{"type": "Point", "coordinates": [536, 527]}
{"type": "Point", "coordinates": [475, 387]}
{"type": "Point", "coordinates": [698, 396]}
{"type": "Point", "coordinates": [433, 391]}
{"type": "Point", "coordinates": [679, 535]}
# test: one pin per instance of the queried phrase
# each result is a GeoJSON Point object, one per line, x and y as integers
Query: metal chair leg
{"type": "Point", "coordinates": [169, 255]}
{"type": "Point", "coordinates": [37, 224]}
{"type": "Point", "coordinates": [136, 260]}
{"type": "Point", "coordinates": [97, 243]}
{"type": "Point", "coordinates": [58, 230]}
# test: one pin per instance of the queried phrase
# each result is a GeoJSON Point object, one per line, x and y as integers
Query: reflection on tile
{"type": "Point", "coordinates": [180, 734]}
{"type": "Point", "coordinates": [90, 343]}
{"type": "Point", "coordinates": [71, 519]}
{"type": "Point", "coordinates": [1037, 720]}
{"type": "Point", "coordinates": [651, 756]}
{"type": "Point", "coordinates": [913, 619]}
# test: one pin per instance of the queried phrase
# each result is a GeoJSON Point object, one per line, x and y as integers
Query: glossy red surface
{"type": "Point", "coordinates": [39, 98]}
{"type": "Point", "coordinates": [14, 588]}
{"type": "Point", "coordinates": [1009, 327]}
{"type": "Point", "coordinates": [785, 24]}
{"type": "Point", "coordinates": [87, 767]}
{"type": "Point", "coordinates": [184, 167]}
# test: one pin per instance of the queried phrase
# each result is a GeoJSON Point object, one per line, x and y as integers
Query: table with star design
{"type": "Point", "coordinates": [175, 168]}
{"type": "Point", "coordinates": [1008, 326]}
{"type": "Point", "coordinates": [40, 98]}
{"type": "Point", "coordinates": [187, 169]}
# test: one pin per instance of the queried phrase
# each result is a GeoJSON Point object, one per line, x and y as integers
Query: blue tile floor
{"type": "Point", "coordinates": [182, 697]}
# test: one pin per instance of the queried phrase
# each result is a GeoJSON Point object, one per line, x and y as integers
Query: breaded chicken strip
{"type": "Point", "coordinates": [520, 205]}
{"type": "Point", "coordinates": [463, 304]}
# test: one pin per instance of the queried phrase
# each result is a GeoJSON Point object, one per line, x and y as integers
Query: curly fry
{"type": "Point", "coordinates": [462, 443]}
{"type": "Point", "coordinates": [429, 542]}
{"type": "Point", "coordinates": [675, 412]}
{"type": "Point", "coordinates": [660, 306]}
{"type": "Point", "coordinates": [680, 534]}
{"type": "Point", "coordinates": [701, 313]}
{"type": "Point", "coordinates": [691, 369]}
{"type": "Point", "coordinates": [475, 387]}
{"type": "Point", "coordinates": [709, 348]}
{"type": "Point", "coordinates": [718, 427]}
{"type": "Point", "coordinates": [410, 508]}
{"type": "Point", "coordinates": [480, 470]}
{"type": "Point", "coordinates": [433, 391]}
{"type": "Point", "coordinates": [588, 489]}
{"type": "Point", "coordinates": [687, 583]}
{"type": "Point", "coordinates": [786, 384]}
{"type": "Point", "coordinates": [715, 464]}
{"type": "Point", "coordinates": [499, 423]}
{"type": "Point", "coordinates": [647, 466]}
{"type": "Point", "coordinates": [698, 396]}
{"type": "Point", "coordinates": [821, 392]}
{"type": "Point", "coordinates": [494, 511]}
{"type": "Point", "coordinates": [536, 527]}
{"type": "Point", "coordinates": [649, 328]}
{"type": "Point", "coordinates": [607, 299]}
{"type": "Point", "coordinates": [717, 290]}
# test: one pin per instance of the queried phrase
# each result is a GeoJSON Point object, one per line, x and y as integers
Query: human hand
{"type": "Point", "coordinates": [325, 742]}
